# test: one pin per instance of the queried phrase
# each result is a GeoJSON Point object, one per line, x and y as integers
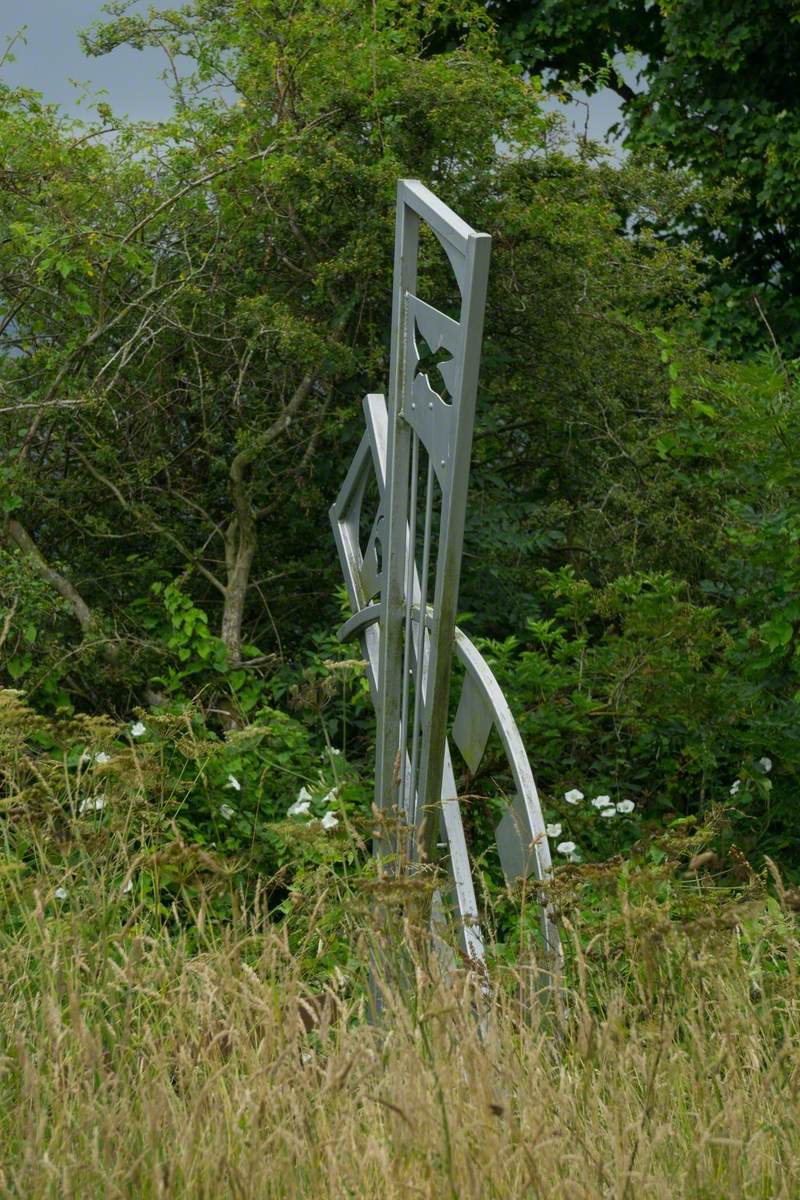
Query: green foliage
{"type": "Point", "coordinates": [33, 647]}
{"type": "Point", "coordinates": [197, 423]}
{"type": "Point", "coordinates": [203, 819]}
{"type": "Point", "coordinates": [670, 686]}
{"type": "Point", "coordinates": [197, 650]}
{"type": "Point", "coordinates": [716, 95]}
{"type": "Point", "coordinates": [198, 309]}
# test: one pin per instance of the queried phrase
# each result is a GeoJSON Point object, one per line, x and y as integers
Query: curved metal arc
{"type": "Point", "coordinates": [527, 826]}
{"type": "Point", "coordinates": [521, 835]}
{"type": "Point", "coordinates": [483, 677]}
{"type": "Point", "coordinates": [359, 621]}
{"type": "Point", "coordinates": [506, 727]}
{"type": "Point", "coordinates": [481, 673]}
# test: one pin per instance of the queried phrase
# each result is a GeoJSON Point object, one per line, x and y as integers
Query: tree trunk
{"type": "Point", "coordinates": [241, 537]}
{"type": "Point", "coordinates": [240, 548]}
{"type": "Point", "coordinates": [19, 537]}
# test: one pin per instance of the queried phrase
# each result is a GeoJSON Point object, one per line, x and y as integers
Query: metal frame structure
{"type": "Point", "coordinates": [402, 575]}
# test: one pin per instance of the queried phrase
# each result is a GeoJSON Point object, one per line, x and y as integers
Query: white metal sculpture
{"type": "Point", "coordinates": [402, 574]}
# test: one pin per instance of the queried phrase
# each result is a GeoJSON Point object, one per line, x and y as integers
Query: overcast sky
{"type": "Point", "coordinates": [52, 56]}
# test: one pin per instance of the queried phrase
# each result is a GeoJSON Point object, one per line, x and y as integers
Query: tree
{"type": "Point", "coordinates": [199, 307]}
{"type": "Point", "coordinates": [721, 79]}
{"type": "Point", "coordinates": [194, 310]}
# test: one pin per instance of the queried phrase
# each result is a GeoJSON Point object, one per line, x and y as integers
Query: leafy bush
{"type": "Point", "coordinates": [196, 816]}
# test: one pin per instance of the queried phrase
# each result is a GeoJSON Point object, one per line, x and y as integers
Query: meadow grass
{"type": "Point", "coordinates": [199, 1047]}
{"type": "Point", "coordinates": [204, 1063]}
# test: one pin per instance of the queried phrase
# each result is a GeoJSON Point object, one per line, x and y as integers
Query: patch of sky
{"type": "Point", "coordinates": [597, 117]}
{"type": "Point", "coordinates": [48, 58]}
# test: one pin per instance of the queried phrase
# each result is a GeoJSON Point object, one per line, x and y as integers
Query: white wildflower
{"type": "Point", "coordinates": [737, 783]}
{"type": "Point", "coordinates": [575, 857]}
{"type": "Point", "coordinates": [303, 794]}
{"type": "Point", "coordinates": [553, 831]}
{"type": "Point", "coordinates": [601, 802]}
{"type": "Point", "coordinates": [138, 729]}
{"type": "Point", "coordinates": [335, 751]}
{"type": "Point", "coordinates": [128, 887]}
{"type": "Point", "coordinates": [299, 808]}
{"type": "Point", "coordinates": [566, 847]}
{"type": "Point", "coordinates": [330, 797]}
{"type": "Point", "coordinates": [92, 804]}
{"type": "Point", "coordinates": [573, 796]}
{"type": "Point", "coordinates": [765, 764]}
{"type": "Point", "coordinates": [102, 757]}
{"type": "Point", "coordinates": [233, 782]}
{"type": "Point", "coordinates": [226, 811]}
{"type": "Point", "coordinates": [608, 812]}
{"type": "Point", "coordinates": [626, 806]}
{"type": "Point", "coordinates": [61, 893]}
{"type": "Point", "coordinates": [329, 821]}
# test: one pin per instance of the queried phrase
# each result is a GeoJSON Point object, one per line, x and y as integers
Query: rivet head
{"type": "Point", "coordinates": [430, 404]}
{"type": "Point", "coordinates": [442, 462]}
{"type": "Point", "coordinates": [413, 405]}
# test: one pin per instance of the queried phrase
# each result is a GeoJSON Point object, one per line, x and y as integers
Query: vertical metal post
{"type": "Point", "coordinates": [388, 752]}
{"type": "Point", "coordinates": [445, 430]}
{"type": "Point", "coordinates": [451, 543]}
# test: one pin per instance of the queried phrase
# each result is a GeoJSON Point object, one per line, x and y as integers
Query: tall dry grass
{"type": "Point", "coordinates": [154, 1053]}
{"type": "Point", "coordinates": [132, 1067]}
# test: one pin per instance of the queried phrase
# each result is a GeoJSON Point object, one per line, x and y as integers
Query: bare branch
{"type": "Point", "coordinates": [9, 617]}
{"type": "Point", "coordinates": [24, 542]}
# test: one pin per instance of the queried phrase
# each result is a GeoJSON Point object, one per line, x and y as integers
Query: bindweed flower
{"type": "Point", "coordinates": [304, 794]}
{"type": "Point", "coordinates": [330, 797]}
{"type": "Point", "coordinates": [737, 783]}
{"type": "Point", "coordinates": [765, 764]}
{"type": "Point", "coordinates": [226, 811]}
{"type": "Point", "coordinates": [329, 821]}
{"type": "Point", "coordinates": [92, 804]}
{"type": "Point", "coordinates": [573, 796]}
{"type": "Point", "coordinates": [566, 847]}
{"type": "Point", "coordinates": [233, 782]}
{"type": "Point", "coordinates": [625, 806]}
{"type": "Point", "coordinates": [300, 807]}
{"type": "Point", "coordinates": [608, 812]}
{"type": "Point", "coordinates": [575, 857]}
{"type": "Point", "coordinates": [553, 831]}
{"type": "Point", "coordinates": [61, 893]}
{"type": "Point", "coordinates": [102, 757]}
{"type": "Point", "coordinates": [138, 729]}
{"type": "Point", "coordinates": [601, 802]}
